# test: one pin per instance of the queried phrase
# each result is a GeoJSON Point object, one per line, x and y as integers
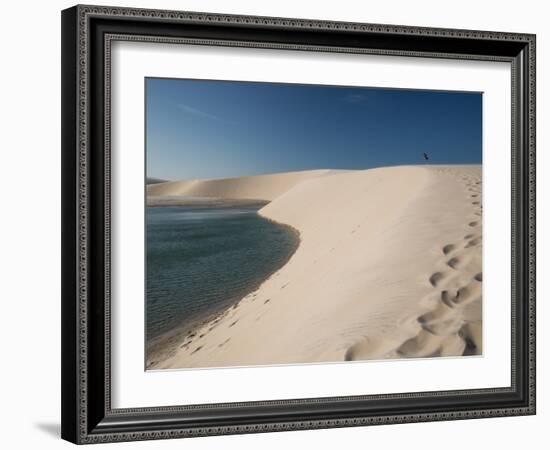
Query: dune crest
{"type": "Point", "coordinates": [389, 266]}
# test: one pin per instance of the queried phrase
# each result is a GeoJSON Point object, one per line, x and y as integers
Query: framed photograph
{"type": "Point", "coordinates": [277, 224]}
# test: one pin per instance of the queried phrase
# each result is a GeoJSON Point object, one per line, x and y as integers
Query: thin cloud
{"type": "Point", "coordinates": [355, 98]}
{"type": "Point", "coordinates": [197, 112]}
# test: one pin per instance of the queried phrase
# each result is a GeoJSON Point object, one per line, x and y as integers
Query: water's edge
{"type": "Point", "coordinates": [164, 346]}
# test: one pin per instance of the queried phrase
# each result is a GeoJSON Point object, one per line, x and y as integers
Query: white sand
{"type": "Point", "coordinates": [389, 266]}
{"type": "Point", "coordinates": [259, 187]}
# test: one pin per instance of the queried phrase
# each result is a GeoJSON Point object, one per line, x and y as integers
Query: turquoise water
{"type": "Point", "coordinates": [201, 260]}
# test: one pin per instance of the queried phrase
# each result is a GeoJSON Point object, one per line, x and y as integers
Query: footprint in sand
{"type": "Point", "coordinates": [469, 293]}
{"type": "Point", "coordinates": [474, 242]}
{"type": "Point", "coordinates": [367, 348]}
{"type": "Point", "coordinates": [449, 298]}
{"type": "Point", "coordinates": [224, 342]}
{"type": "Point", "coordinates": [448, 249]}
{"type": "Point", "coordinates": [426, 345]}
{"type": "Point", "coordinates": [436, 278]}
{"type": "Point", "coordinates": [444, 327]}
{"type": "Point", "coordinates": [471, 334]}
{"type": "Point", "coordinates": [458, 262]}
{"type": "Point", "coordinates": [441, 312]}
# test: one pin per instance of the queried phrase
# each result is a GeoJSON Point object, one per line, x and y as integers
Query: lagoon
{"type": "Point", "coordinates": [201, 259]}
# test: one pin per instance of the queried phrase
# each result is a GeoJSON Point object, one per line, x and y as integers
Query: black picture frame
{"type": "Point", "coordinates": [87, 416]}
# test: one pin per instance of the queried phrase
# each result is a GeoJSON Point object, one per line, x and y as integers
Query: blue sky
{"type": "Point", "coordinates": [217, 129]}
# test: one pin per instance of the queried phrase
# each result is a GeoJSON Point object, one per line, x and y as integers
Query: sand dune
{"type": "Point", "coordinates": [389, 266]}
{"type": "Point", "coordinates": [151, 180]}
{"type": "Point", "coordinates": [259, 187]}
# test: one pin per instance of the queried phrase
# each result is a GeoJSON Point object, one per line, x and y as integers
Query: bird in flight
{"type": "Point", "coordinates": [425, 155]}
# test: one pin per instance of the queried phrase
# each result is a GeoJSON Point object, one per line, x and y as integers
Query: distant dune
{"type": "Point", "coordinates": [155, 181]}
{"type": "Point", "coordinates": [389, 266]}
{"type": "Point", "coordinates": [259, 187]}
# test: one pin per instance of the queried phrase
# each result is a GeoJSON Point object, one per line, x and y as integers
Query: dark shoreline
{"type": "Point", "coordinates": [202, 202]}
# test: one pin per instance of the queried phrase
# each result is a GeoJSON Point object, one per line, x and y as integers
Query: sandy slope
{"type": "Point", "coordinates": [259, 187]}
{"type": "Point", "coordinates": [389, 266]}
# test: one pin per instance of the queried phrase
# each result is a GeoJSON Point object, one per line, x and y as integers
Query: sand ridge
{"type": "Point", "coordinates": [389, 266]}
{"type": "Point", "coordinates": [257, 187]}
